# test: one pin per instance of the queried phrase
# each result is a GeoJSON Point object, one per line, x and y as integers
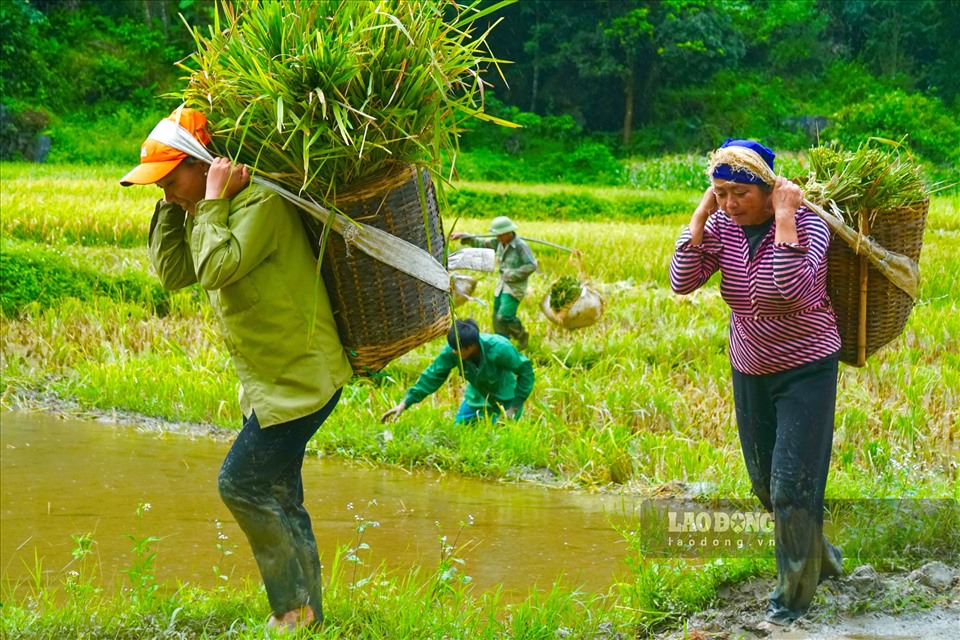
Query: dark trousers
{"type": "Point", "coordinates": [785, 421]}
{"type": "Point", "coordinates": [261, 484]}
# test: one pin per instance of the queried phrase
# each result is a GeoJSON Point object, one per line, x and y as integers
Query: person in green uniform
{"type": "Point", "coordinates": [499, 377]}
{"type": "Point", "coordinates": [517, 264]}
{"type": "Point", "coordinates": [246, 247]}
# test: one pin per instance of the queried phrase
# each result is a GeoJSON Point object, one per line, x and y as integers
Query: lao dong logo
{"type": "Point", "coordinates": [701, 521]}
{"type": "Point", "coordinates": [669, 528]}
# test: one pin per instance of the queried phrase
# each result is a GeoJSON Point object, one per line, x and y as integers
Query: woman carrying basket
{"type": "Point", "coordinates": [771, 254]}
{"type": "Point", "coordinates": [246, 247]}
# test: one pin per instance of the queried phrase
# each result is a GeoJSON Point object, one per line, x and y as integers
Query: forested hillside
{"type": "Point", "coordinates": [593, 79]}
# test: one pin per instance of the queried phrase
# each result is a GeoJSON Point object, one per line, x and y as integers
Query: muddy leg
{"type": "Point", "coordinates": [785, 421]}
{"type": "Point", "coordinates": [260, 483]}
{"type": "Point", "coordinates": [805, 403]}
{"type": "Point", "coordinates": [757, 426]}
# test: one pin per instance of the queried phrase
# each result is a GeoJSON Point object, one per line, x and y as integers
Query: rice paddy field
{"type": "Point", "coordinates": [640, 403]}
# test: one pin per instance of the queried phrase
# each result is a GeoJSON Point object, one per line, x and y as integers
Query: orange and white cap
{"type": "Point", "coordinates": [157, 158]}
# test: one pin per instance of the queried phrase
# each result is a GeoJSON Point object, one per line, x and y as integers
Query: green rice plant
{"type": "Point", "coordinates": [564, 292]}
{"type": "Point", "coordinates": [681, 172]}
{"type": "Point", "coordinates": [73, 204]}
{"type": "Point", "coordinates": [317, 94]}
{"type": "Point", "coordinates": [871, 180]}
{"type": "Point", "coordinates": [34, 274]}
{"type": "Point", "coordinates": [889, 533]}
{"type": "Point", "coordinates": [575, 203]}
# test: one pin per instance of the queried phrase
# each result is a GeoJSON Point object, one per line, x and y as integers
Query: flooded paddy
{"type": "Point", "coordinates": [69, 477]}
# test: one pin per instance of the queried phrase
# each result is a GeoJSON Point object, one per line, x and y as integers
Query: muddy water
{"type": "Point", "coordinates": [65, 477]}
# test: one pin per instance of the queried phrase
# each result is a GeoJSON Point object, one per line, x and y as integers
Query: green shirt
{"type": "Point", "coordinates": [503, 376]}
{"type": "Point", "coordinates": [252, 257]}
{"type": "Point", "coordinates": [516, 260]}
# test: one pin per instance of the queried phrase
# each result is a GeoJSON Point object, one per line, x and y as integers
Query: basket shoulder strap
{"type": "Point", "coordinates": [376, 243]}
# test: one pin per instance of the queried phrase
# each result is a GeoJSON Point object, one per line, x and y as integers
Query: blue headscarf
{"type": "Point", "coordinates": [726, 172]}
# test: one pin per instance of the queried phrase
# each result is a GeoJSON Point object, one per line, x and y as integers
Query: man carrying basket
{"type": "Point", "coordinates": [246, 247]}
{"type": "Point", "coordinates": [517, 264]}
{"type": "Point", "coordinates": [784, 344]}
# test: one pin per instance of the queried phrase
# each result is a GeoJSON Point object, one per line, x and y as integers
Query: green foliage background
{"type": "Point", "coordinates": [596, 85]}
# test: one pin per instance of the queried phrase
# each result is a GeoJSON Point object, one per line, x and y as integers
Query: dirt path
{"type": "Point", "coordinates": [865, 605]}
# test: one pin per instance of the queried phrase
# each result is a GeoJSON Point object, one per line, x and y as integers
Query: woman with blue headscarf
{"type": "Point", "coordinates": [771, 253]}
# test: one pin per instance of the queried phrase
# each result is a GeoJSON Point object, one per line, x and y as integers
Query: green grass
{"type": "Point", "coordinates": [635, 403]}
{"type": "Point", "coordinates": [416, 604]}
{"type": "Point", "coordinates": [652, 377]}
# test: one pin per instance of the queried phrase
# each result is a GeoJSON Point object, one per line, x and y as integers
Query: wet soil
{"type": "Point", "coordinates": [865, 604]}
{"type": "Point", "coordinates": [25, 400]}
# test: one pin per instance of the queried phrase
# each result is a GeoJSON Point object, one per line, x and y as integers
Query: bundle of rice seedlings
{"type": "Point", "coordinates": [564, 292]}
{"type": "Point", "coordinates": [317, 94]}
{"type": "Point", "coordinates": [572, 303]}
{"type": "Point", "coordinates": [870, 181]}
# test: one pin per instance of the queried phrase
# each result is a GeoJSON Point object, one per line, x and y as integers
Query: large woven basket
{"type": "Point", "coordinates": [381, 312]}
{"type": "Point", "coordinates": [871, 310]}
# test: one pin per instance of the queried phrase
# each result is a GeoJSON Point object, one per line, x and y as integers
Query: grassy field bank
{"type": "Point", "coordinates": [640, 402]}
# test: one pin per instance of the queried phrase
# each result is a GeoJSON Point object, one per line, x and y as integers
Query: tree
{"type": "Point", "coordinates": [645, 44]}
{"type": "Point", "coordinates": [548, 24]}
{"type": "Point", "coordinates": [633, 33]}
{"type": "Point", "coordinates": [912, 44]}
{"type": "Point", "coordinates": [23, 73]}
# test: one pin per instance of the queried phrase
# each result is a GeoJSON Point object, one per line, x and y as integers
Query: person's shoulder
{"type": "Point", "coordinates": [522, 245]}
{"type": "Point", "coordinates": [497, 345]}
{"type": "Point", "coordinates": [495, 339]}
{"type": "Point", "coordinates": [259, 195]}
{"type": "Point", "coordinates": [720, 217]}
{"type": "Point", "coordinates": [810, 220]}
{"type": "Point", "coordinates": [720, 221]}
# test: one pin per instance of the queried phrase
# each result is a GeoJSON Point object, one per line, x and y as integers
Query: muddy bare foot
{"type": "Point", "coordinates": [292, 621]}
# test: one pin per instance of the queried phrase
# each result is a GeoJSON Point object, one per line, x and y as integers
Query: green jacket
{"type": "Point", "coordinates": [516, 261]}
{"type": "Point", "coordinates": [252, 257]}
{"type": "Point", "coordinates": [504, 375]}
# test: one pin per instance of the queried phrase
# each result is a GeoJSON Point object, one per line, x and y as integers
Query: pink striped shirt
{"type": "Point", "coordinates": [781, 315]}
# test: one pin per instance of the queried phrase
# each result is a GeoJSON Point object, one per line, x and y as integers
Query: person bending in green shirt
{"type": "Point", "coordinates": [499, 378]}
{"type": "Point", "coordinates": [517, 264]}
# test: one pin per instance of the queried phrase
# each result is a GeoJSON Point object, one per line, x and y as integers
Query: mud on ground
{"type": "Point", "coordinates": [864, 604]}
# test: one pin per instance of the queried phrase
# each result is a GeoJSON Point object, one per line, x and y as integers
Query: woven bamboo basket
{"type": "Point", "coordinates": [871, 310]}
{"type": "Point", "coordinates": [381, 312]}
